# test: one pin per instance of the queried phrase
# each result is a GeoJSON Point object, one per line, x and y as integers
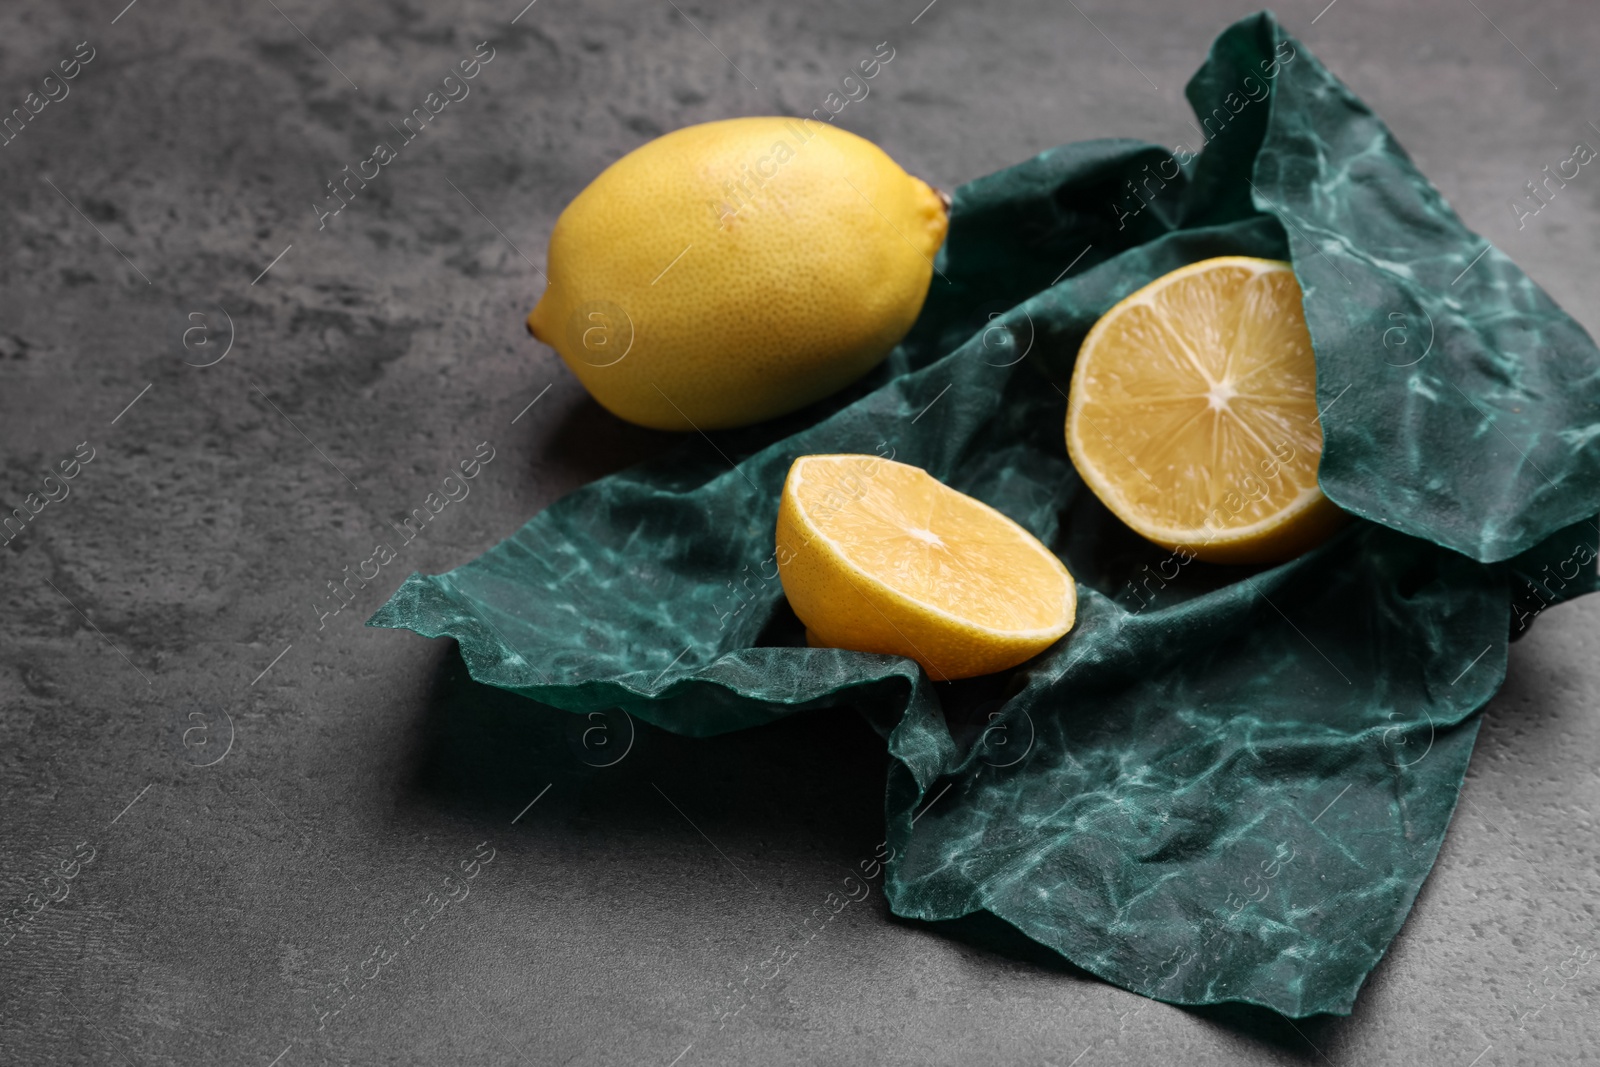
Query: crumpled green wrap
{"type": "Point", "coordinates": [1226, 784]}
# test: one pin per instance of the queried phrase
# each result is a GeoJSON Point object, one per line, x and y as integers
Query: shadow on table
{"type": "Point", "coordinates": [593, 443]}
{"type": "Point", "coordinates": [815, 779]}
{"type": "Point", "coordinates": [1299, 1040]}
{"type": "Point", "coordinates": [809, 786]}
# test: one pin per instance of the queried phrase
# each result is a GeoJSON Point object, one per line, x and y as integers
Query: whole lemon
{"type": "Point", "coordinates": [737, 270]}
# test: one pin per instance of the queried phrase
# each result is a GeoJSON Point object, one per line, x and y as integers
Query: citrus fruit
{"type": "Point", "coordinates": [879, 556]}
{"type": "Point", "coordinates": [737, 270]}
{"type": "Point", "coordinates": [1193, 413]}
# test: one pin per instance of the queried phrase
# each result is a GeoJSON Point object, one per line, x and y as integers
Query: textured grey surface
{"type": "Point", "coordinates": [223, 908]}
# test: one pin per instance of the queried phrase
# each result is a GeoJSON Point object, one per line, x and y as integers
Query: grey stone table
{"type": "Point", "coordinates": [286, 839]}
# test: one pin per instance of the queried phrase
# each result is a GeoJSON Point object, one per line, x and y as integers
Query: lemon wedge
{"type": "Point", "coordinates": [879, 556]}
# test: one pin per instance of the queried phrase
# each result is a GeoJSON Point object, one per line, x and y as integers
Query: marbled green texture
{"type": "Point", "coordinates": [1226, 784]}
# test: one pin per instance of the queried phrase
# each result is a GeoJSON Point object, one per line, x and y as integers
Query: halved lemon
{"type": "Point", "coordinates": [1193, 413]}
{"type": "Point", "coordinates": [879, 556]}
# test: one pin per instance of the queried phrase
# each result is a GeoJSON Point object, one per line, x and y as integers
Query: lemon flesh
{"type": "Point", "coordinates": [737, 270]}
{"type": "Point", "coordinates": [1193, 413]}
{"type": "Point", "coordinates": [879, 556]}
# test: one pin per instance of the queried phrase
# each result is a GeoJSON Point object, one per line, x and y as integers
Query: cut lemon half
{"type": "Point", "coordinates": [879, 556]}
{"type": "Point", "coordinates": [1193, 413]}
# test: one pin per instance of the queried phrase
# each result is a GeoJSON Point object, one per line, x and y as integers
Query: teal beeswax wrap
{"type": "Point", "coordinates": [1226, 783]}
